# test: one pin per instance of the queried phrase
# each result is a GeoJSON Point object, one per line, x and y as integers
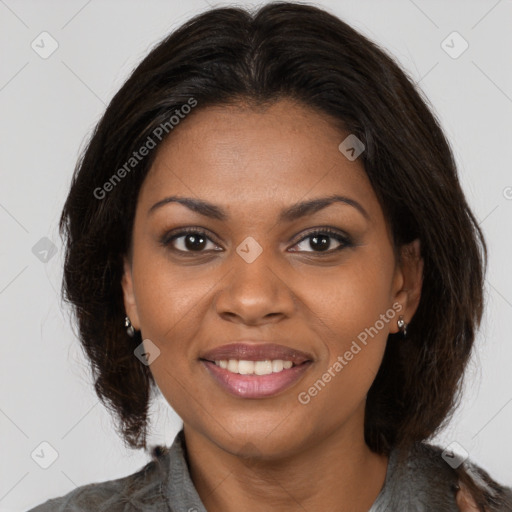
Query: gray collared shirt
{"type": "Point", "coordinates": [423, 483]}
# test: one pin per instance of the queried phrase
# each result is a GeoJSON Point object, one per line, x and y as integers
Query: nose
{"type": "Point", "coordinates": [255, 293]}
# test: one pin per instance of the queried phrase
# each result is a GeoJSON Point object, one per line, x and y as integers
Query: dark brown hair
{"type": "Point", "coordinates": [303, 53]}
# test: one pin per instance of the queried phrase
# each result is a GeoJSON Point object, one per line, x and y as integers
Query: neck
{"type": "Point", "coordinates": [333, 472]}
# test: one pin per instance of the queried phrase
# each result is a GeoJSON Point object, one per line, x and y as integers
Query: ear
{"type": "Point", "coordinates": [130, 304]}
{"type": "Point", "coordinates": [408, 281]}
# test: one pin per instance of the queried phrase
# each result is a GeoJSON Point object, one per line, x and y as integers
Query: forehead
{"type": "Point", "coordinates": [281, 153]}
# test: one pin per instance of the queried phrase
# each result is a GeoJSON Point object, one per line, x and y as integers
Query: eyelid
{"type": "Point", "coordinates": [323, 229]}
{"type": "Point", "coordinates": [170, 236]}
{"type": "Point", "coordinates": [340, 236]}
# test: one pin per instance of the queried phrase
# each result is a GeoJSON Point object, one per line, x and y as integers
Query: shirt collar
{"type": "Point", "coordinates": [181, 492]}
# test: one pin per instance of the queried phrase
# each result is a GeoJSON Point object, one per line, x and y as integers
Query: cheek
{"type": "Point", "coordinates": [354, 337]}
{"type": "Point", "coordinates": [169, 303]}
{"type": "Point", "coordinates": [169, 299]}
{"type": "Point", "coordinates": [352, 298]}
{"type": "Point", "coordinates": [353, 312]}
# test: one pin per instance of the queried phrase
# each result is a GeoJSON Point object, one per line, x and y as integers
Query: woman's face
{"type": "Point", "coordinates": [263, 271]}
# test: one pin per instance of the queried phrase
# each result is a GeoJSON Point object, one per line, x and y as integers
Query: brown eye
{"type": "Point", "coordinates": [190, 240]}
{"type": "Point", "coordinates": [322, 241]}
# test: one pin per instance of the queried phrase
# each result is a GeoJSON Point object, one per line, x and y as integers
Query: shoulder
{"type": "Point", "coordinates": [431, 476]}
{"type": "Point", "coordinates": [419, 479]}
{"type": "Point", "coordinates": [141, 490]}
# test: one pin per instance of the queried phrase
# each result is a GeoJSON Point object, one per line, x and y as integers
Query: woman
{"type": "Point", "coordinates": [267, 226]}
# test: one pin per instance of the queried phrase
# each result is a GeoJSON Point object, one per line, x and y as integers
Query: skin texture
{"type": "Point", "coordinates": [270, 453]}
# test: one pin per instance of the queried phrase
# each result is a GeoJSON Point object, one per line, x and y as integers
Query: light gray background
{"type": "Point", "coordinates": [48, 107]}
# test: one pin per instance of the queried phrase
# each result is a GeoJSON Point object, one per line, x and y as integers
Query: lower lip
{"type": "Point", "coordinates": [256, 386]}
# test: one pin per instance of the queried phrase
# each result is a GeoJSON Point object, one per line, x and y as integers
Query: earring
{"type": "Point", "coordinates": [129, 327]}
{"type": "Point", "coordinates": [402, 326]}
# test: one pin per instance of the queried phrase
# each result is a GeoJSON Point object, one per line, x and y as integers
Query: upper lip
{"type": "Point", "coordinates": [256, 351]}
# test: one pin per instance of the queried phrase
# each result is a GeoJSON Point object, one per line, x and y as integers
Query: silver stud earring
{"type": "Point", "coordinates": [129, 327]}
{"type": "Point", "coordinates": [402, 326]}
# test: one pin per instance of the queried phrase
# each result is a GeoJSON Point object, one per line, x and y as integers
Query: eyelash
{"type": "Point", "coordinates": [345, 242]}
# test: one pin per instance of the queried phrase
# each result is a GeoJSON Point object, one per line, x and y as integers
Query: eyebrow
{"type": "Point", "coordinates": [288, 214]}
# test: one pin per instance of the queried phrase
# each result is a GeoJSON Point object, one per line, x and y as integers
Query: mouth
{"type": "Point", "coordinates": [255, 370]}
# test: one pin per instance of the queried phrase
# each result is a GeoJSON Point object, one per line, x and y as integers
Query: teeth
{"type": "Point", "coordinates": [262, 367]}
{"type": "Point", "coordinates": [277, 365]}
{"type": "Point", "coordinates": [255, 367]}
{"type": "Point", "coordinates": [232, 365]}
{"type": "Point", "coordinates": [246, 367]}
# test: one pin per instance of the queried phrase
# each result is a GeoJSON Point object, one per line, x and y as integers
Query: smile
{"type": "Point", "coordinates": [252, 384]}
{"type": "Point", "coordinates": [243, 367]}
